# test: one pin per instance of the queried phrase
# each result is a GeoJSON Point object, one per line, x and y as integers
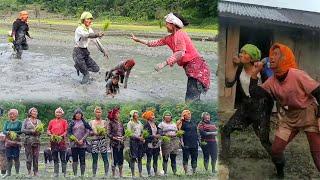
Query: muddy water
{"type": "Point", "coordinates": [46, 71]}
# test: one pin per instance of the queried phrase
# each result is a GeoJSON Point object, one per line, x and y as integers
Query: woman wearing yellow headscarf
{"type": "Point", "coordinates": [136, 141]}
{"type": "Point", "coordinates": [81, 56]}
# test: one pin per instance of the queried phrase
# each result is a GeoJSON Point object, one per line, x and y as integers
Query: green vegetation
{"type": "Point", "coordinates": [198, 12]}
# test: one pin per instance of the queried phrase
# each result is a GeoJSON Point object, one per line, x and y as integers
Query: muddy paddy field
{"type": "Point", "coordinates": [46, 171]}
{"type": "Point", "coordinates": [46, 71]}
{"type": "Point", "coordinates": [249, 160]}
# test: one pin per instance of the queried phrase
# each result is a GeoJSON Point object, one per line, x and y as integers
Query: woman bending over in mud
{"type": "Point", "coordinates": [297, 91]}
{"type": "Point", "coordinates": [184, 54]}
{"type": "Point", "coordinates": [249, 110]}
{"type": "Point", "coordinates": [122, 70]}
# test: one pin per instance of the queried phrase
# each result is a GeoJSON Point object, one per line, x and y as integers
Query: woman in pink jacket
{"type": "Point", "coordinates": [184, 54]}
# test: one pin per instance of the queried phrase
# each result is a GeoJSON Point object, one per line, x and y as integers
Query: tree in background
{"type": "Point", "coordinates": [197, 11]}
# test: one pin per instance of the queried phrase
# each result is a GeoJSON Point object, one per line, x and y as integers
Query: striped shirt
{"type": "Point", "coordinates": [208, 131]}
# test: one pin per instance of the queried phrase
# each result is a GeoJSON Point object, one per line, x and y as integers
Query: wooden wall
{"type": "Point", "coordinates": [228, 47]}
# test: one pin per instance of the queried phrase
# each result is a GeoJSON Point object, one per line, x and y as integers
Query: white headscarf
{"type": "Point", "coordinates": [13, 111]}
{"type": "Point", "coordinates": [171, 18]}
{"type": "Point", "coordinates": [59, 109]}
{"type": "Point", "coordinates": [29, 111]}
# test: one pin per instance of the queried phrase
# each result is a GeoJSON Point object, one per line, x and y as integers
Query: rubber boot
{"type": "Point", "coordinates": [194, 170]}
{"type": "Point", "coordinates": [165, 167]}
{"type": "Point", "coordinates": [148, 168]}
{"type": "Point", "coordinates": [280, 170]}
{"type": "Point", "coordinates": [64, 169]}
{"type": "Point", "coordinates": [82, 169]}
{"type": "Point", "coordinates": [174, 168]}
{"type": "Point", "coordinates": [155, 169]}
{"type": "Point", "coordinates": [85, 78]}
{"type": "Point", "coordinates": [185, 167]}
{"type": "Point", "coordinates": [213, 165]}
{"type": "Point", "coordinates": [132, 168]}
{"type": "Point", "coordinates": [9, 167]}
{"type": "Point", "coordinates": [94, 169]}
{"type": "Point", "coordinates": [75, 168]}
{"type": "Point", "coordinates": [113, 168]}
{"type": "Point", "coordinates": [206, 164]}
{"type": "Point", "coordinates": [56, 169]}
{"type": "Point", "coordinates": [106, 168]}
{"type": "Point", "coordinates": [19, 55]}
{"type": "Point", "coordinates": [17, 165]}
{"type": "Point", "coordinates": [29, 169]}
{"type": "Point", "coordinates": [120, 171]}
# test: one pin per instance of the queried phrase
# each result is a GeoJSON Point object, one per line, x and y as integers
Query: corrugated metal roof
{"type": "Point", "coordinates": [288, 16]}
{"type": "Point", "coordinates": [308, 5]}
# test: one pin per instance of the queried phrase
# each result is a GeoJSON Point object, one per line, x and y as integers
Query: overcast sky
{"type": "Point", "coordinates": [306, 5]}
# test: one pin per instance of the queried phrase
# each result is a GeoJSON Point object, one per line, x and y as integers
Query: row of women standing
{"type": "Point", "coordinates": [78, 130]}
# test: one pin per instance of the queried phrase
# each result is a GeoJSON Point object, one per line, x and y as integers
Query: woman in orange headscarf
{"type": "Point", "coordinates": [152, 141]}
{"type": "Point", "coordinates": [20, 29]}
{"type": "Point", "coordinates": [297, 91]}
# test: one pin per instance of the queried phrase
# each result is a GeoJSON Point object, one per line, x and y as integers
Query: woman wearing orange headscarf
{"type": "Point", "coordinates": [152, 141]}
{"type": "Point", "coordinates": [297, 91]}
{"type": "Point", "coordinates": [190, 140]}
{"type": "Point", "coordinates": [20, 29]}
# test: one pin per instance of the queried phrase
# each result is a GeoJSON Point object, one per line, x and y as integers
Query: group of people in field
{"type": "Point", "coordinates": [99, 136]}
{"type": "Point", "coordinates": [184, 54]}
{"type": "Point", "coordinates": [259, 84]}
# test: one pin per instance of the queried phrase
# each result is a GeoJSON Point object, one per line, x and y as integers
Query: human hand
{"type": "Point", "coordinates": [160, 66]}
{"type": "Point", "coordinates": [236, 60]}
{"type": "Point", "coordinates": [258, 66]}
{"type": "Point", "coordinates": [100, 34]}
{"type": "Point", "coordinates": [134, 38]}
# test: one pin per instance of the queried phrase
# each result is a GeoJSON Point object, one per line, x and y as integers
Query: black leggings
{"type": "Point", "coordinates": [55, 156]}
{"type": "Point", "coordinates": [79, 154]}
{"type": "Point", "coordinates": [152, 153]}
{"type": "Point", "coordinates": [139, 161]}
{"type": "Point", "coordinates": [117, 156]}
{"type": "Point", "coordinates": [193, 152]}
{"type": "Point", "coordinates": [173, 163]}
{"type": "Point", "coordinates": [251, 111]}
{"type": "Point", "coordinates": [194, 90]}
{"type": "Point", "coordinates": [209, 150]}
{"type": "Point", "coordinates": [10, 161]}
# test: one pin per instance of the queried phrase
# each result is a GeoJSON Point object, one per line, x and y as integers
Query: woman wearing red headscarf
{"type": "Point", "coordinates": [122, 70]}
{"type": "Point", "coordinates": [184, 54]}
{"type": "Point", "coordinates": [299, 94]}
{"type": "Point", "coordinates": [116, 135]}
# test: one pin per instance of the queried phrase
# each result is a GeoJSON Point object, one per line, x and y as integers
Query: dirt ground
{"type": "Point", "coordinates": [249, 160]}
{"type": "Point", "coordinates": [46, 71]}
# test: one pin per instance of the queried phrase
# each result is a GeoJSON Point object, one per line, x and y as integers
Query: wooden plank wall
{"type": "Point", "coordinates": [228, 47]}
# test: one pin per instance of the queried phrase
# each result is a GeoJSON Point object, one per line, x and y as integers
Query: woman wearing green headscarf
{"type": "Point", "coordinates": [81, 56]}
{"type": "Point", "coordinates": [249, 110]}
{"type": "Point", "coordinates": [136, 141]}
{"type": "Point", "coordinates": [169, 147]}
